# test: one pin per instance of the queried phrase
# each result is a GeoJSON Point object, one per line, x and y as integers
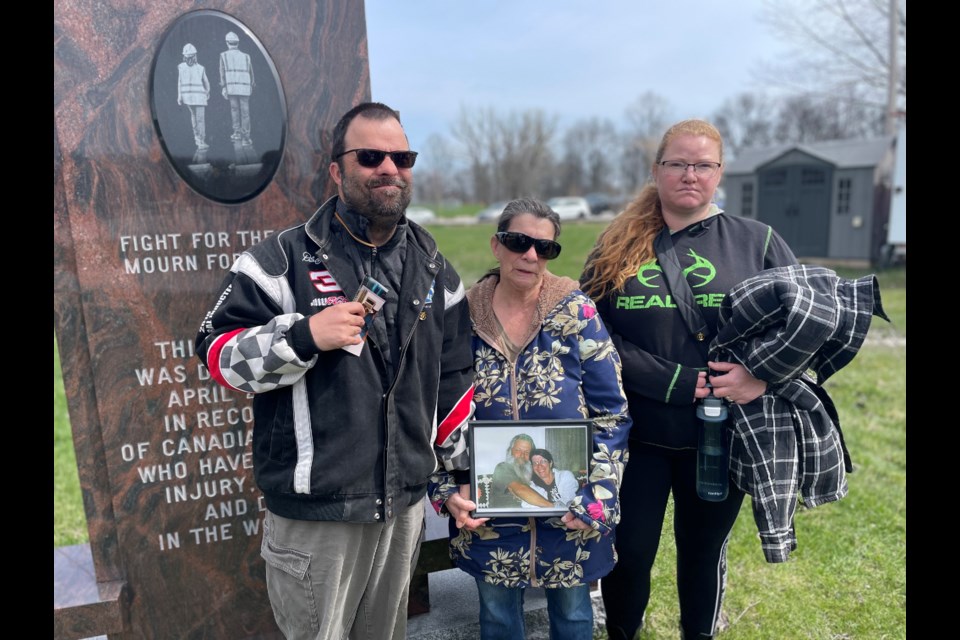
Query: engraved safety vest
{"type": "Point", "coordinates": [192, 90]}
{"type": "Point", "coordinates": [235, 72]}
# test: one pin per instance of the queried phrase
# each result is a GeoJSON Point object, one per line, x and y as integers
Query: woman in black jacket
{"type": "Point", "coordinates": [665, 370]}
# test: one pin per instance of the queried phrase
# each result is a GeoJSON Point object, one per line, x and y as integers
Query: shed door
{"type": "Point", "coordinates": [795, 201]}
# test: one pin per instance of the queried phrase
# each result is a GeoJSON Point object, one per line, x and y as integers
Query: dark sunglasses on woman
{"type": "Point", "coordinates": [521, 243]}
{"type": "Point", "coordinates": [372, 158]}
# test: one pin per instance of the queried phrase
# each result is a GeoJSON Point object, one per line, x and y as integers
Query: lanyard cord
{"type": "Point", "coordinates": [350, 233]}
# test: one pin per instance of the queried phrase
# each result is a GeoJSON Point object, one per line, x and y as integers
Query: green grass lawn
{"type": "Point", "coordinates": [469, 209]}
{"type": "Point", "coordinates": [69, 522]}
{"type": "Point", "coordinates": [847, 578]}
{"type": "Point", "coordinates": [468, 248]}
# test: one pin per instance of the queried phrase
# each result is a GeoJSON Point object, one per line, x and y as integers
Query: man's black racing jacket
{"type": "Point", "coordinates": [334, 437]}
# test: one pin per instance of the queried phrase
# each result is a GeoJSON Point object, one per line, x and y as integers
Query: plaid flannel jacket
{"type": "Point", "coordinates": [779, 324]}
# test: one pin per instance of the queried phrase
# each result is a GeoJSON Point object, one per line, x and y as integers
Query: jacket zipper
{"type": "Point", "coordinates": [386, 417]}
{"type": "Point", "coordinates": [405, 346]}
{"type": "Point", "coordinates": [516, 416]}
{"type": "Point", "coordinates": [533, 553]}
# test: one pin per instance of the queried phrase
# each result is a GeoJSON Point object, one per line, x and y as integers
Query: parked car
{"type": "Point", "coordinates": [491, 213]}
{"type": "Point", "coordinates": [570, 208]}
{"type": "Point", "coordinates": [420, 215]}
{"type": "Point", "coordinates": [601, 203]}
{"type": "Point", "coordinates": [720, 197]}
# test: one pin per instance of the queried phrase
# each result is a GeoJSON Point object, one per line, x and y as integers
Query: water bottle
{"type": "Point", "coordinates": [712, 454]}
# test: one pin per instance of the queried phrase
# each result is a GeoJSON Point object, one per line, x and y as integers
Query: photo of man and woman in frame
{"type": "Point", "coordinates": [528, 467]}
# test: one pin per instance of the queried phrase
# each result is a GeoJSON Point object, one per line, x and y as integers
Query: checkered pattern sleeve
{"type": "Point", "coordinates": [246, 339]}
{"type": "Point", "coordinates": [257, 359]}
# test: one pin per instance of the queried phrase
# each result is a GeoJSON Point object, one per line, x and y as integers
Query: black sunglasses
{"type": "Point", "coordinates": [521, 243]}
{"type": "Point", "coordinates": [372, 158]}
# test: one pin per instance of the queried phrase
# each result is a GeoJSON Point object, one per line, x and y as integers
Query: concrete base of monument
{"type": "Point", "coordinates": [454, 613]}
{"type": "Point", "coordinates": [81, 605]}
{"type": "Point", "coordinates": [455, 610]}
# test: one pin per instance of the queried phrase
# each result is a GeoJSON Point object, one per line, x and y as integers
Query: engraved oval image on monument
{"type": "Point", "coordinates": [218, 106]}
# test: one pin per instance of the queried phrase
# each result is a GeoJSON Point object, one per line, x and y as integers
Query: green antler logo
{"type": "Point", "coordinates": [701, 272]}
{"type": "Point", "coordinates": [648, 273]}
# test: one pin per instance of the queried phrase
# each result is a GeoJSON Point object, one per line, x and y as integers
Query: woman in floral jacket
{"type": "Point", "coordinates": [540, 352]}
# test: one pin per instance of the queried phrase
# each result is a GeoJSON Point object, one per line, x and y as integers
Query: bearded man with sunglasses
{"type": "Point", "coordinates": [344, 444]}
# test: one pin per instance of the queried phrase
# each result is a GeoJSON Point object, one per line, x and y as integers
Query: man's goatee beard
{"type": "Point", "coordinates": [524, 470]}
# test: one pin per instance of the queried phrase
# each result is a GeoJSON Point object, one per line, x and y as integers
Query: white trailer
{"type": "Point", "coordinates": [896, 248]}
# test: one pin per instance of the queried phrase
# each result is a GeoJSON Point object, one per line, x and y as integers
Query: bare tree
{"type": "Point", "coordinates": [588, 164]}
{"type": "Point", "coordinates": [808, 118]}
{"type": "Point", "coordinates": [842, 49]}
{"type": "Point", "coordinates": [526, 159]}
{"type": "Point", "coordinates": [746, 120]}
{"type": "Point", "coordinates": [648, 118]}
{"type": "Point", "coordinates": [757, 120]}
{"type": "Point", "coordinates": [509, 155]}
{"type": "Point", "coordinates": [473, 130]}
{"type": "Point", "coordinates": [436, 165]}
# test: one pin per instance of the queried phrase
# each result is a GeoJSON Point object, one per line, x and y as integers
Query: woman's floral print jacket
{"type": "Point", "coordinates": [568, 368]}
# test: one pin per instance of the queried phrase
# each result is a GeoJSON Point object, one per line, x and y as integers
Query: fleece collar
{"type": "Point", "coordinates": [480, 298]}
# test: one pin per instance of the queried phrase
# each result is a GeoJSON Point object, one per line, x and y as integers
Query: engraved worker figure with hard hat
{"type": "Point", "coordinates": [193, 90]}
{"type": "Point", "coordinates": [237, 83]}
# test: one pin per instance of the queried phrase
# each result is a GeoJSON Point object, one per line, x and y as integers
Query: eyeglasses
{"type": "Point", "coordinates": [541, 463]}
{"type": "Point", "coordinates": [373, 158]}
{"type": "Point", "coordinates": [702, 169]}
{"type": "Point", "coordinates": [521, 243]}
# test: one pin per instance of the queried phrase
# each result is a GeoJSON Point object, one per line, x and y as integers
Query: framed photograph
{"type": "Point", "coordinates": [528, 467]}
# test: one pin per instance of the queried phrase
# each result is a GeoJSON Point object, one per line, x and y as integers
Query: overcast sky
{"type": "Point", "coordinates": [572, 58]}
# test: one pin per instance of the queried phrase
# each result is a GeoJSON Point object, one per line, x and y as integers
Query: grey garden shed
{"type": "Point", "coordinates": [827, 199]}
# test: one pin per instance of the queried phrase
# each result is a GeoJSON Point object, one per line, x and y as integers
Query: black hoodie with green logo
{"type": "Point", "coordinates": [660, 358]}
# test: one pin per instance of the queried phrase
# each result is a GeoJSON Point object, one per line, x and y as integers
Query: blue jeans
{"type": "Point", "coordinates": [501, 612]}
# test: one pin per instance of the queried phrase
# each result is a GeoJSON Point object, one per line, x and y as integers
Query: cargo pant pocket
{"type": "Point", "coordinates": [289, 586]}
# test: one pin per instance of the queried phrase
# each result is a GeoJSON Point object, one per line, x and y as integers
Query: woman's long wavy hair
{"type": "Point", "coordinates": [627, 243]}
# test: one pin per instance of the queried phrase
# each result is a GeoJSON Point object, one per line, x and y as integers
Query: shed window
{"type": "Point", "coordinates": [774, 178]}
{"type": "Point", "coordinates": [746, 200]}
{"type": "Point", "coordinates": [813, 176]}
{"type": "Point", "coordinates": [844, 188]}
